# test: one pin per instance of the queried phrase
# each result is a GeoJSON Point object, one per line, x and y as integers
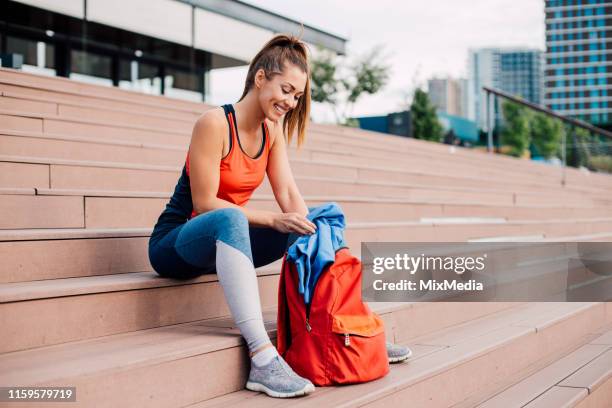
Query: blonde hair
{"type": "Point", "coordinates": [271, 58]}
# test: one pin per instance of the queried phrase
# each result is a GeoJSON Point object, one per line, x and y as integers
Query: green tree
{"type": "Point", "coordinates": [425, 123]}
{"type": "Point", "coordinates": [515, 132]}
{"type": "Point", "coordinates": [578, 142]}
{"type": "Point", "coordinates": [546, 134]}
{"type": "Point", "coordinates": [341, 84]}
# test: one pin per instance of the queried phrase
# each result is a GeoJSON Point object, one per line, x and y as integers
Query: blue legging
{"type": "Point", "coordinates": [188, 250]}
{"type": "Point", "coordinates": [222, 241]}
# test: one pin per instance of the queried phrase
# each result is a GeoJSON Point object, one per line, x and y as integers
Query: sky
{"type": "Point", "coordinates": [420, 40]}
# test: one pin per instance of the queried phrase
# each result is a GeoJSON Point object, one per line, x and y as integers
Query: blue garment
{"type": "Point", "coordinates": [313, 253]}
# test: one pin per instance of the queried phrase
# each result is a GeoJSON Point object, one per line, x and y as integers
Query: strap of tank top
{"type": "Point", "coordinates": [227, 109]}
{"type": "Point", "coordinates": [229, 115]}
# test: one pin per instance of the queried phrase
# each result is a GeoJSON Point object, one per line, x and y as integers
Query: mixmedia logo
{"type": "Point", "coordinates": [412, 264]}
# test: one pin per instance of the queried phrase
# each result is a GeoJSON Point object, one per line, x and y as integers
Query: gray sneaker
{"type": "Point", "coordinates": [397, 353]}
{"type": "Point", "coordinates": [278, 380]}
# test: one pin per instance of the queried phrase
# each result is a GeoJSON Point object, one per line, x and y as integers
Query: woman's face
{"type": "Point", "coordinates": [281, 93]}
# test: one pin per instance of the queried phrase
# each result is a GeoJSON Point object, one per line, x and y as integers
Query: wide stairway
{"type": "Point", "coordinates": [85, 171]}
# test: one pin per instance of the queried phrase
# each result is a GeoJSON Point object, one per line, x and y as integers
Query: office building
{"type": "Point", "coordinates": [578, 62]}
{"type": "Point", "coordinates": [517, 71]}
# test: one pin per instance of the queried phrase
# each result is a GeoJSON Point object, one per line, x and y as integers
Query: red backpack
{"type": "Point", "coordinates": [338, 340]}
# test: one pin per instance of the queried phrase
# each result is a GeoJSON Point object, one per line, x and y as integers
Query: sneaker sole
{"type": "Point", "coordinates": [253, 386]}
{"type": "Point", "coordinates": [400, 358]}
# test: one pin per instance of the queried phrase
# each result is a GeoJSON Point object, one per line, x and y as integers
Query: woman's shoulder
{"type": "Point", "coordinates": [213, 120]}
{"type": "Point", "coordinates": [212, 117]}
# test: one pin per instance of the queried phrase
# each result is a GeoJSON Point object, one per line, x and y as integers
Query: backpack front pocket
{"type": "Point", "coordinates": [358, 351]}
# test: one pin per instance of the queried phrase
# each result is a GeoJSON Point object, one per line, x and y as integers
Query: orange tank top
{"type": "Point", "coordinates": [240, 174]}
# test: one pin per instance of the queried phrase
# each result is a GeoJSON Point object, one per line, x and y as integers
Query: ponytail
{"type": "Point", "coordinates": [271, 58]}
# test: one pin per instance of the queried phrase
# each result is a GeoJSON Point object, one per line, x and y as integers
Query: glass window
{"type": "Point", "coordinates": [36, 54]}
{"type": "Point", "coordinates": [90, 67]}
{"type": "Point", "coordinates": [182, 84]}
{"type": "Point", "coordinates": [139, 76]}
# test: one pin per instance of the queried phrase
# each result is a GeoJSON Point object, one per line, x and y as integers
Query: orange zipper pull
{"type": "Point", "coordinates": [347, 339]}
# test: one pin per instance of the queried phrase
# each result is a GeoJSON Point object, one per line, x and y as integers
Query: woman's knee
{"type": "Point", "coordinates": [231, 226]}
{"type": "Point", "coordinates": [230, 217]}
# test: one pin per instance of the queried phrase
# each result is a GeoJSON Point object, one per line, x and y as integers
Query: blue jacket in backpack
{"type": "Point", "coordinates": [312, 253]}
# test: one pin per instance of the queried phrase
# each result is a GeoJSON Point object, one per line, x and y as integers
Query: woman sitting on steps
{"type": "Point", "coordinates": [206, 228]}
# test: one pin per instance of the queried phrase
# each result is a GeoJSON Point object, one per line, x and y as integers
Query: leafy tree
{"type": "Point", "coordinates": [515, 133]}
{"type": "Point", "coordinates": [341, 84]}
{"type": "Point", "coordinates": [546, 134]}
{"type": "Point", "coordinates": [425, 123]}
{"type": "Point", "coordinates": [578, 142]}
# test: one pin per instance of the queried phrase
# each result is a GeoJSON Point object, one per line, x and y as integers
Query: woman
{"type": "Point", "coordinates": [205, 227]}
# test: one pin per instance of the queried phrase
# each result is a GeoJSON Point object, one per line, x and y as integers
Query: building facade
{"type": "Point", "coordinates": [578, 62]}
{"type": "Point", "coordinates": [166, 47]}
{"type": "Point", "coordinates": [448, 95]}
{"type": "Point", "coordinates": [518, 71]}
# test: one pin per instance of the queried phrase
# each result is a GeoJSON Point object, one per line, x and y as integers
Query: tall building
{"type": "Point", "coordinates": [517, 71]}
{"type": "Point", "coordinates": [166, 47]}
{"type": "Point", "coordinates": [448, 95]}
{"type": "Point", "coordinates": [578, 59]}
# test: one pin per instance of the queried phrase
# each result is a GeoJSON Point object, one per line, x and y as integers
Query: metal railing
{"type": "Point", "coordinates": [592, 150]}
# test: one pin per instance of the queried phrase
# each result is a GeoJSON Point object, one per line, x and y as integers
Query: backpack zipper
{"type": "Point", "coordinates": [347, 340]}
{"type": "Point", "coordinates": [308, 327]}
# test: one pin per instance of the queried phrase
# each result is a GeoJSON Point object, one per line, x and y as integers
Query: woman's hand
{"type": "Point", "coordinates": [293, 222]}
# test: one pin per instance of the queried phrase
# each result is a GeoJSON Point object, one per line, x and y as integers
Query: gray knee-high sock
{"type": "Point", "coordinates": [237, 277]}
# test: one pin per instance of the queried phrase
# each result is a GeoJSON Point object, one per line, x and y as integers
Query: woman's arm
{"type": "Point", "coordinates": [281, 178]}
{"type": "Point", "coordinates": [205, 152]}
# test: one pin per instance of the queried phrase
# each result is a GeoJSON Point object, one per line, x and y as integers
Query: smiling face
{"type": "Point", "coordinates": [281, 92]}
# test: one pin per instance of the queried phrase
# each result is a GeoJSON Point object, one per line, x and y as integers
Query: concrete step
{"type": "Point", "coordinates": [54, 97]}
{"type": "Point", "coordinates": [92, 175]}
{"type": "Point", "coordinates": [77, 125]}
{"type": "Point", "coordinates": [60, 208]}
{"type": "Point", "coordinates": [42, 313]}
{"type": "Point", "coordinates": [45, 312]}
{"type": "Point", "coordinates": [458, 153]}
{"type": "Point", "coordinates": [581, 377]}
{"type": "Point", "coordinates": [186, 363]}
{"type": "Point", "coordinates": [36, 254]}
{"type": "Point", "coordinates": [67, 89]}
{"type": "Point", "coordinates": [461, 360]}
{"type": "Point", "coordinates": [320, 148]}
{"type": "Point", "coordinates": [14, 143]}
{"type": "Point", "coordinates": [22, 143]}
{"type": "Point", "coordinates": [67, 86]}
{"type": "Point", "coordinates": [69, 132]}
{"type": "Point", "coordinates": [48, 208]}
